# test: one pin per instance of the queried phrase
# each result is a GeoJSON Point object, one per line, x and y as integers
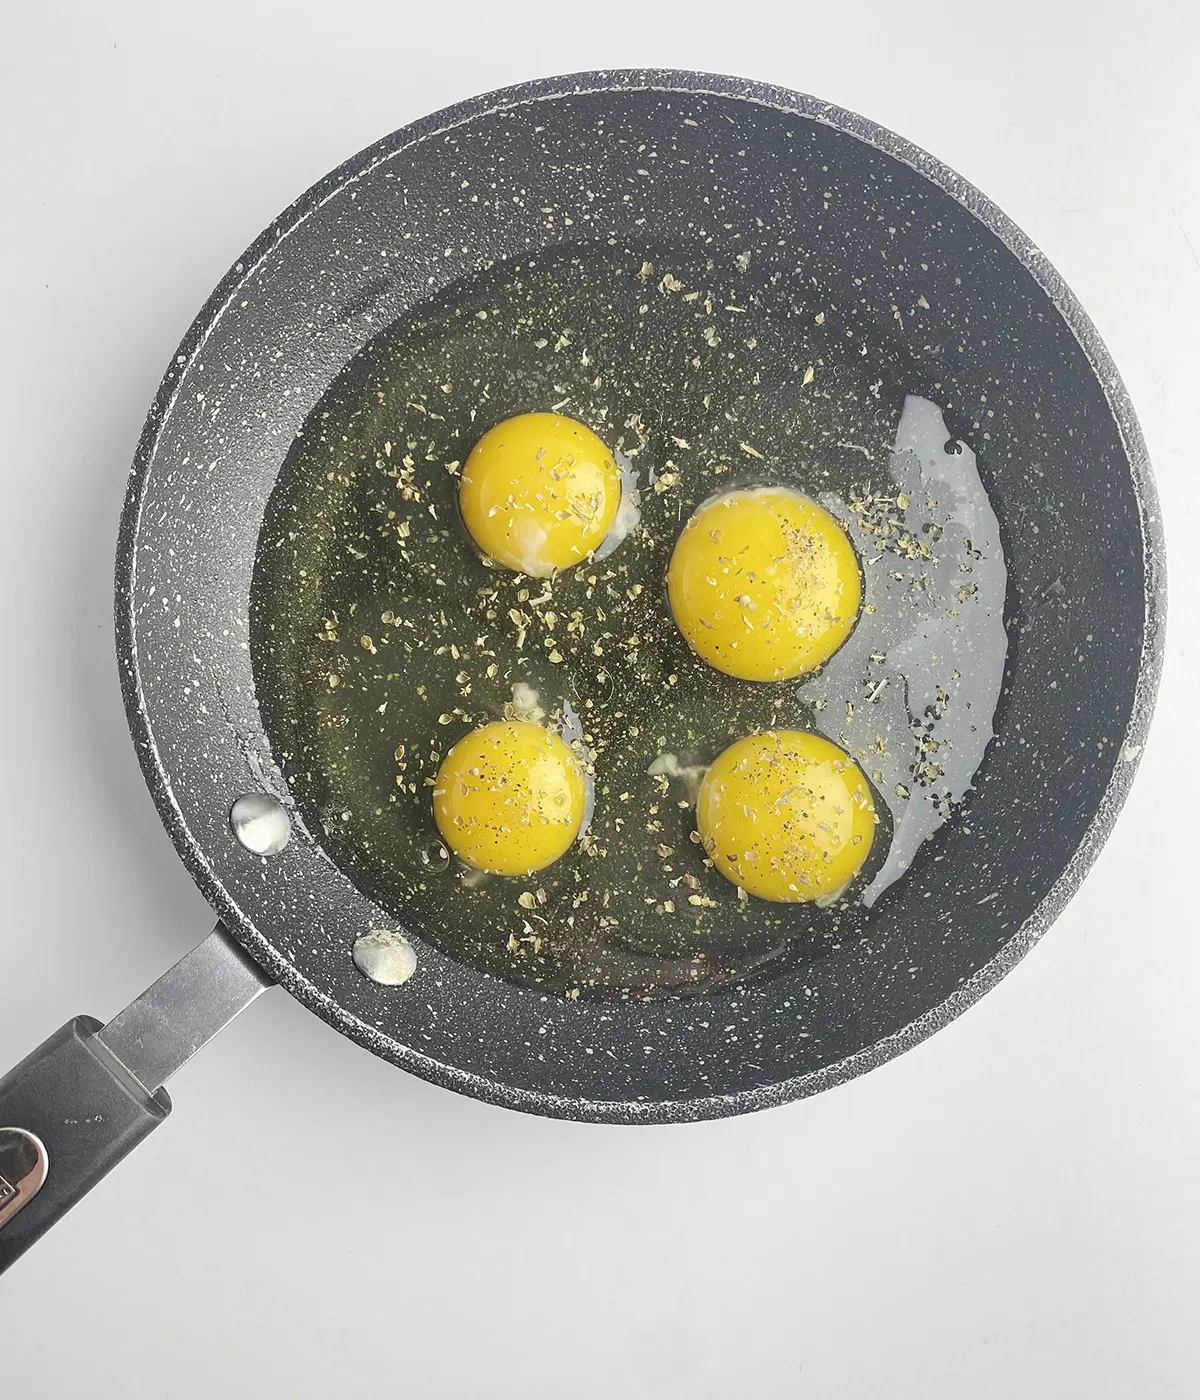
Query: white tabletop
{"type": "Point", "coordinates": [1012, 1209]}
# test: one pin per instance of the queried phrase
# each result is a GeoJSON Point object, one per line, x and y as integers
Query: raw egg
{"type": "Point", "coordinates": [539, 493]}
{"type": "Point", "coordinates": [509, 798]}
{"type": "Point", "coordinates": [764, 584]}
{"type": "Point", "coordinates": [787, 816]}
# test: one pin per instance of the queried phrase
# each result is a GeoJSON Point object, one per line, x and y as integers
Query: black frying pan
{"type": "Point", "coordinates": [1066, 471]}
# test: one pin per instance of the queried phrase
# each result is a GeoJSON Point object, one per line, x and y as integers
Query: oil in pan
{"type": "Point", "coordinates": [380, 636]}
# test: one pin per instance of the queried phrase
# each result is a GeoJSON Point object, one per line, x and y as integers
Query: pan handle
{"type": "Point", "coordinates": [87, 1096]}
{"type": "Point", "coordinates": [68, 1114]}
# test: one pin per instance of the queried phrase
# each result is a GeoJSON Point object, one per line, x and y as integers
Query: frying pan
{"type": "Point", "coordinates": [1066, 472]}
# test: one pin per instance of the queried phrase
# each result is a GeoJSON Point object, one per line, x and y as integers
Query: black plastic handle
{"type": "Point", "coordinates": [81, 1103]}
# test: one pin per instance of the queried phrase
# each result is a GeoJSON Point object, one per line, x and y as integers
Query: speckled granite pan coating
{"type": "Point", "coordinates": [1024, 377]}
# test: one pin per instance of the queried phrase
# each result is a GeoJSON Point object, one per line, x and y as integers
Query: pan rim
{"type": "Point", "coordinates": [1029, 256]}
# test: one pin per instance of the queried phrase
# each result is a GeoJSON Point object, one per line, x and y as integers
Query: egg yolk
{"type": "Point", "coordinates": [787, 816]}
{"type": "Point", "coordinates": [509, 798]}
{"type": "Point", "coordinates": [539, 493]}
{"type": "Point", "coordinates": [764, 584]}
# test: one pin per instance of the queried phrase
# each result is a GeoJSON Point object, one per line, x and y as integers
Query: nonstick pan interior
{"type": "Point", "coordinates": [695, 163]}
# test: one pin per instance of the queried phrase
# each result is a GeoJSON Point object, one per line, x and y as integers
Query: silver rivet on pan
{"type": "Point", "coordinates": [260, 823]}
{"type": "Point", "coordinates": [385, 957]}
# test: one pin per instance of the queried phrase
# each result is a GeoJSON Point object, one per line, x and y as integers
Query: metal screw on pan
{"type": "Point", "coordinates": [260, 823]}
{"type": "Point", "coordinates": [385, 957]}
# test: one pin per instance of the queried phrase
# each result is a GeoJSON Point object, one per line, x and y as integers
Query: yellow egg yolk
{"type": "Point", "coordinates": [539, 493]}
{"type": "Point", "coordinates": [764, 584]}
{"type": "Point", "coordinates": [509, 798]}
{"type": "Point", "coordinates": [787, 816]}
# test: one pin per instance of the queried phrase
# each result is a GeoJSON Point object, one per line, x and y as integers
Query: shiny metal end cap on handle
{"type": "Point", "coordinates": [24, 1164]}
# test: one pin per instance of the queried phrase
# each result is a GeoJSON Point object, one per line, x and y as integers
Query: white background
{"type": "Point", "coordinates": [1013, 1209]}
